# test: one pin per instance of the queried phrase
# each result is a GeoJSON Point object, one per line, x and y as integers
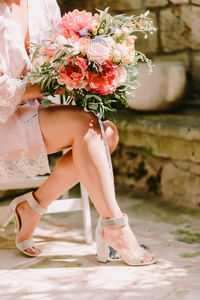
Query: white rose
{"type": "Point", "coordinates": [98, 52]}
{"type": "Point", "coordinates": [109, 41]}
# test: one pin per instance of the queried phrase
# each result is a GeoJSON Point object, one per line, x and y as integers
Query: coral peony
{"type": "Point", "coordinates": [74, 21]}
{"type": "Point", "coordinates": [105, 82]}
{"type": "Point", "coordinates": [73, 75]}
{"type": "Point", "coordinates": [98, 52]}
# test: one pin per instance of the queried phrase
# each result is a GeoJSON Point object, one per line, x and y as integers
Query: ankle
{"type": "Point", "coordinates": [37, 198]}
{"type": "Point", "coordinates": [113, 216]}
{"type": "Point", "coordinates": [25, 208]}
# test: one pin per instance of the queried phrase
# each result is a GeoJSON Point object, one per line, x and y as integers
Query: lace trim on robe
{"type": "Point", "coordinates": [25, 166]}
{"type": "Point", "coordinates": [11, 97]}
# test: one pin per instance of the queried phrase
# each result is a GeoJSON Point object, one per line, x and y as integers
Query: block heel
{"type": "Point", "coordinates": [102, 247]}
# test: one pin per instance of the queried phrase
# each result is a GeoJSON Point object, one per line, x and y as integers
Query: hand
{"type": "Point", "coordinates": [32, 91]}
{"type": "Point", "coordinates": [40, 99]}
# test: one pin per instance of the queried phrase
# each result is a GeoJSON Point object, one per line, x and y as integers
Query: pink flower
{"type": "Point", "coordinates": [48, 49]}
{"type": "Point", "coordinates": [73, 75]}
{"type": "Point", "coordinates": [68, 34]}
{"type": "Point", "coordinates": [121, 75]}
{"type": "Point", "coordinates": [75, 20]}
{"type": "Point", "coordinates": [105, 82]}
{"type": "Point", "coordinates": [98, 52]}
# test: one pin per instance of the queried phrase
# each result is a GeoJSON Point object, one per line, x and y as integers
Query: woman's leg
{"type": "Point", "coordinates": [64, 175]}
{"type": "Point", "coordinates": [68, 126]}
{"type": "Point", "coordinates": [63, 127]}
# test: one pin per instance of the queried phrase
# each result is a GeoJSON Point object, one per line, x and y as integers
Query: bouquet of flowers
{"type": "Point", "coordinates": [93, 57]}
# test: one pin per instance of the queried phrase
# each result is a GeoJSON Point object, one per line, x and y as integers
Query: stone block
{"type": "Point", "coordinates": [195, 71]}
{"type": "Point", "coordinates": [171, 31]}
{"type": "Point", "coordinates": [120, 5]}
{"type": "Point", "coordinates": [179, 185]}
{"type": "Point", "coordinates": [148, 46]}
{"type": "Point", "coordinates": [190, 15]}
{"type": "Point", "coordinates": [174, 136]}
{"type": "Point", "coordinates": [156, 3]}
{"type": "Point", "coordinates": [141, 171]}
{"type": "Point", "coordinates": [180, 1]}
{"type": "Point", "coordinates": [181, 57]}
{"type": "Point", "coordinates": [197, 2]}
{"type": "Point", "coordinates": [180, 28]}
{"type": "Point", "coordinates": [160, 154]}
{"type": "Point", "coordinates": [195, 168]}
{"type": "Point", "coordinates": [170, 82]}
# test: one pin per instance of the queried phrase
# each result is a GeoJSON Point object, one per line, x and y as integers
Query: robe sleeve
{"type": "Point", "coordinates": [55, 14]}
{"type": "Point", "coordinates": [11, 91]}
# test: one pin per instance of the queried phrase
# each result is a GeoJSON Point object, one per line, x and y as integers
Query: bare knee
{"type": "Point", "coordinates": [90, 121]}
{"type": "Point", "coordinates": [112, 135]}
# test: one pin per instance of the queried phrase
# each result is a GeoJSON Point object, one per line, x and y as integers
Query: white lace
{"type": "Point", "coordinates": [24, 167]}
{"type": "Point", "coordinates": [11, 93]}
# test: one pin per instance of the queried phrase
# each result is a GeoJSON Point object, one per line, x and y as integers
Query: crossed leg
{"type": "Point", "coordinates": [62, 127]}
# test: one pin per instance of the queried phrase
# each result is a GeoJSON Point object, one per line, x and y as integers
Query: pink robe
{"type": "Point", "coordinates": [22, 150]}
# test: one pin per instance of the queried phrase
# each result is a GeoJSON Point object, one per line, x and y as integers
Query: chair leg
{"type": "Point", "coordinates": [86, 215]}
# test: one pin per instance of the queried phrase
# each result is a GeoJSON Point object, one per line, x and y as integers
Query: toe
{"type": "Point", "coordinates": [32, 251]}
{"type": "Point", "coordinates": [145, 259]}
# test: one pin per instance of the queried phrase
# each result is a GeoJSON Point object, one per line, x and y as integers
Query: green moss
{"type": "Point", "coordinates": [190, 255]}
{"type": "Point", "coordinates": [56, 262]}
{"type": "Point", "coordinates": [158, 210]}
{"type": "Point", "coordinates": [187, 236]}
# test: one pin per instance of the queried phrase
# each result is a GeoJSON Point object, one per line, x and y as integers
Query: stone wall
{"type": "Point", "coordinates": [178, 35]}
{"type": "Point", "coordinates": [159, 154]}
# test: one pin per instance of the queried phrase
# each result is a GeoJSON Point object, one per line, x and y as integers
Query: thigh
{"type": "Point", "coordinates": [60, 124]}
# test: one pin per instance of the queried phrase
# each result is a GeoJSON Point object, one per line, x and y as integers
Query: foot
{"type": "Point", "coordinates": [29, 220]}
{"type": "Point", "coordinates": [123, 240]}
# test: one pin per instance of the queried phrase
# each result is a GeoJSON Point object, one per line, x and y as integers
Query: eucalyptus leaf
{"type": "Point", "coordinates": [46, 103]}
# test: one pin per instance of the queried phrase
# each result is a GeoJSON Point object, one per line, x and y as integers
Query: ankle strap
{"type": "Point", "coordinates": [115, 222]}
{"type": "Point", "coordinates": [34, 204]}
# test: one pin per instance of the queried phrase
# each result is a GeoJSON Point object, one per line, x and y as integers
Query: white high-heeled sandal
{"type": "Point", "coordinates": [102, 247]}
{"type": "Point", "coordinates": [9, 212]}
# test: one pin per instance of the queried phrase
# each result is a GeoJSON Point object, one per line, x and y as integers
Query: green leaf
{"type": "Point", "coordinates": [46, 103]}
{"type": "Point", "coordinates": [66, 63]}
{"type": "Point", "coordinates": [133, 78]}
{"type": "Point", "coordinates": [93, 106]}
{"type": "Point", "coordinates": [66, 94]}
{"type": "Point", "coordinates": [68, 46]}
{"type": "Point", "coordinates": [44, 82]}
{"type": "Point", "coordinates": [94, 96]}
